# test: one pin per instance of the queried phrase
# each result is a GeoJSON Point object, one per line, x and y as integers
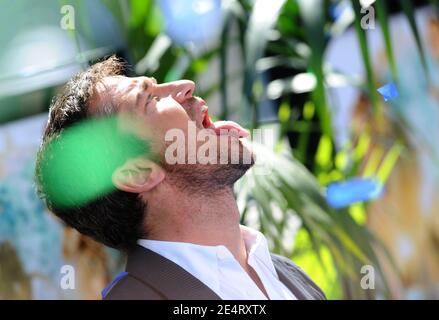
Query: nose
{"type": "Point", "coordinates": [180, 90]}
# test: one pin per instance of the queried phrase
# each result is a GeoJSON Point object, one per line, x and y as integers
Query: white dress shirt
{"type": "Point", "coordinates": [216, 267]}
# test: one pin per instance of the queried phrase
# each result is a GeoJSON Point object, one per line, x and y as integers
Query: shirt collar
{"type": "Point", "coordinates": [188, 255]}
{"type": "Point", "coordinates": [257, 248]}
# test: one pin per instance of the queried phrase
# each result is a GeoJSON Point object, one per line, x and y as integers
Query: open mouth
{"type": "Point", "coordinates": [223, 127]}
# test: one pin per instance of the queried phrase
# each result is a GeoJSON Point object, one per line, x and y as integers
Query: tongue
{"type": "Point", "coordinates": [229, 127]}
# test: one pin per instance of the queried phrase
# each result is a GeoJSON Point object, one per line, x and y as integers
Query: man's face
{"type": "Point", "coordinates": [163, 108]}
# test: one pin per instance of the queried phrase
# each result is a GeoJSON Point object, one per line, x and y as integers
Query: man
{"type": "Point", "coordinates": [177, 221]}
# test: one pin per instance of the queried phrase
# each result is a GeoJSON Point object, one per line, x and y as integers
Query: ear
{"type": "Point", "coordinates": [138, 175]}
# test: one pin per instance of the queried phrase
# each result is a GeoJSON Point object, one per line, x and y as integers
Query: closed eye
{"type": "Point", "coordinates": [151, 101]}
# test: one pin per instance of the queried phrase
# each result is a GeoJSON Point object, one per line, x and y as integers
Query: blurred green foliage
{"type": "Point", "coordinates": [77, 165]}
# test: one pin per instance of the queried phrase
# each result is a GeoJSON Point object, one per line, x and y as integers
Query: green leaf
{"type": "Point", "coordinates": [383, 18]}
{"type": "Point", "coordinates": [373, 161]}
{"type": "Point", "coordinates": [324, 152]}
{"type": "Point", "coordinates": [435, 4]}
{"type": "Point", "coordinates": [364, 47]}
{"type": "Point", "coordinates": [224, 46]}
{"type": "Point", "coordinates": [307, 82]}
{"type": "Point", "coordinates": [267, 63]}
{"type": "Point", "coordinates": [312, 14]}
{"type": "Point", "coordinates": [409, 11]}
{"type": "Point", "coordinates": [284, 113]}
{"type": "Point", "coordinates": [139, 12]}
{"type": "Point", "coordinates": [389, 162]}
{"type": "Point", "coordinates": [151, 61]}
{"type": "Point", "coordinates": [262, 18]}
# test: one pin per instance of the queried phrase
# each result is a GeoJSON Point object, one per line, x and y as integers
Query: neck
{"type": "Point", "coordinates": [209, 220]}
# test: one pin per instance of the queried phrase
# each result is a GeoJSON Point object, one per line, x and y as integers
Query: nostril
{"type": "Point", "coordinates": [184, 89]}
{"type": "Point", "coordinates": [189, 93]}
{"type": "Point", "coordinates": [184, 95]}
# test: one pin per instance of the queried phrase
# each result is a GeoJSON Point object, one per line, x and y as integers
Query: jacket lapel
{"type": "Point", "coordinates": [287, 281]}
{"type": "Point", "coordinates": [294, 280]}
{"type": "Point", "coordinates": [166, 277]}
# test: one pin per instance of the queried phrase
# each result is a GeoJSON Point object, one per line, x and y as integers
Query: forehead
{"type": "Point", "coordinates": [109, 91]}
{"type": "Point", "coordinates": [120, 83]}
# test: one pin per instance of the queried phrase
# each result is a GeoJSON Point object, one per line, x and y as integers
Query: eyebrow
{"type": "Point", "coordinates": [145, 86]}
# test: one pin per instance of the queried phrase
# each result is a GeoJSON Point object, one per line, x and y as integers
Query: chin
{"type": "Point", "coordinates": [236, 151]}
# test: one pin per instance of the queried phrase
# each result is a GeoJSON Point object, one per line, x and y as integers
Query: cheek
{"type": "Point", "coordinates": [169, 115]}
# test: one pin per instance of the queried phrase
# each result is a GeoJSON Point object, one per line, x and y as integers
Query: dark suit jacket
{"type": "Point", "coordinates": [151, 276]}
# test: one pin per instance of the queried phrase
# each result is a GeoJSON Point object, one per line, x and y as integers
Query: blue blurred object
{"type": "Point", "coordinates": [118, 277]}
{"type": "Point", "coordinates": [196, 22]}
{"type": "Point", "coordinates": [389, 91]}
{"type": "Point", "coordinates": [345, 193]}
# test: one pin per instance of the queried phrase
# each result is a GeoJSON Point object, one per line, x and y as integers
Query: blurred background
{"type": "Point", "coordinates": [354, 188]}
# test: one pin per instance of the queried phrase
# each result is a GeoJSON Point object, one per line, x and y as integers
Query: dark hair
{"type": "Point", "coordinates": [116, 218]}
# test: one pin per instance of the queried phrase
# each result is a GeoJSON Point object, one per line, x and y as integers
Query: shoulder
{"type": "Point", "coordinates": [130, 288]}
{"type": "Point", "coordinates": [298, 275]}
